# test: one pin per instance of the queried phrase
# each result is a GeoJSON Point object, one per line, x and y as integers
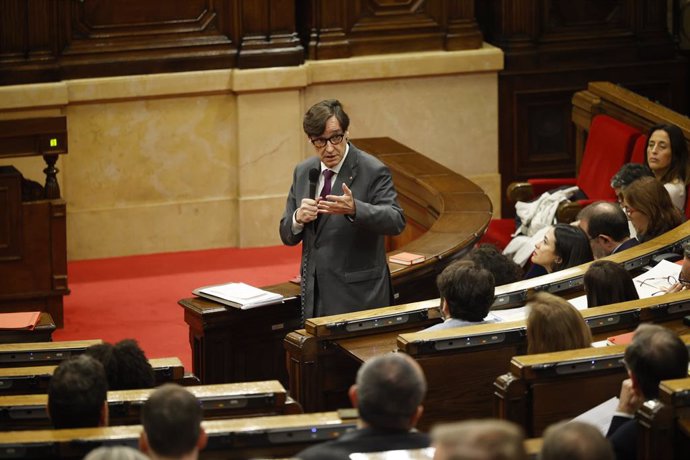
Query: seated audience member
{"type": "Point", "coordinates": [667, 157]}
{"type": "Point", "coordinates": [171, 419]}
{"type": "Point", "coordinates": [78, 394]}
{"type": "Point", "coordinates": [628, 174]}
{"type": "Point", "coordinates": [606, 225]}
{"type": "Point", "coordinates": [684, 275]}
{"type": "Point", "coordinates": [574, 441]}
{"type": "Point", "coordinates": [503, 268]}
{"type": "Point", "coordinates": [607, 282]}
{"type": "Point", "coordinates": [115, 453]}
{"type": "Point", "coordinates": [125, 365]}
{"type": "Point", "coordinates": [655, 354]}
{"type": "Point", "coordinates": [553, 324]}
{"type": "Point", "coordinates": [467, 293]}
{"type": "Point", "coordinates": [564, 246]}
{"type": "Point", "coordinates": [388, 394]}
{"type": "Point", "coordinates": [488, 439]}
{"type": "Point", "coordinates": [649, 208]}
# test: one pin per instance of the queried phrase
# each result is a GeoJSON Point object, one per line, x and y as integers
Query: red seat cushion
{"type": "Point", "coordinates": [639, 150]}
{"type": "Point", "coordinates": [609, 146]}
{"type": "Point", "coordinates": [498, 233]}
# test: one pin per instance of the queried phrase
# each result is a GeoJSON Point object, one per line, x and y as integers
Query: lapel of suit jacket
{"type": "Point", "coordinates": [346, 175]}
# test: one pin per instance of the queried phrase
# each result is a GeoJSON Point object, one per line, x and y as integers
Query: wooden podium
{"type": "Point", "coordinates": [446, 214]}
{"type": "Point", "coordinates": [33, 248]}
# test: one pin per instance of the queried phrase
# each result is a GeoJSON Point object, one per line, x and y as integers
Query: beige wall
{"type": "Point", "coordinates": [204, 159]}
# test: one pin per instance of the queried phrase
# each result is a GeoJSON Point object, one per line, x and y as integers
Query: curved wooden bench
{"type": "Point", "coordinates": [570, 281]}
{"type": "Point", "coordinates": [278, 436]}
{"type": "Point", "coordinates": [446, 214]}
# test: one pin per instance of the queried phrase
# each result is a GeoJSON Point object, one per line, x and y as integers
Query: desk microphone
{"type": "Point", "coordinates": [314, 174]}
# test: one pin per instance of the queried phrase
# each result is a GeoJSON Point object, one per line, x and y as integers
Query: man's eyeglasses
{"type": "Point", "coordinates": [320, 142]}
{"type": "Point", "coordinates": [662, 283]}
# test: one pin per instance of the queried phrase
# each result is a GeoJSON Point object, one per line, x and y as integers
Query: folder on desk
{"type": "Point", "coordinates": [23, 320]}
{"type": "Point", "coordinates": [238, 295]}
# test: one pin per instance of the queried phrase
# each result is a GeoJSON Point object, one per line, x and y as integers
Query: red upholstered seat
{"type": "Point", "coordinates": [639, 150]}
{"type": "Point", "coordinates": [609, 146]}
{"type": "Point", "coordinates": [498, 233]}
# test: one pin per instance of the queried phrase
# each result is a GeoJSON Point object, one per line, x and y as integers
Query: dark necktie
{"type": "Point", "coordinates": [327, 175]}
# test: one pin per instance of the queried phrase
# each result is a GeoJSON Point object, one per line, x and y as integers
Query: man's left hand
{"type": "Point", "coordinates": [338, 204]}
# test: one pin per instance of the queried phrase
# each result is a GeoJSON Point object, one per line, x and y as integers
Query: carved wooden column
{"type": "Point", "coordinates": [463, 31]}
{"type": "Point", "coordinates": [343, 28]}
{"type": "Point", "coordinates": [267, 34]}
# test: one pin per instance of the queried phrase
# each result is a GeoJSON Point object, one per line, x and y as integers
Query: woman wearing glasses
{"type": "Point", "coordinates": [667, 157]}
{"type": "Point", "coordinates": [563, 246]}
{"type": "Point", "coordinates": [649, 208]}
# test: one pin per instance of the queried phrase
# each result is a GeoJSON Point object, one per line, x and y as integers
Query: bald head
{"type": "Point", "coordinates": [606, 225]}
{"type": "Point", "coordinates": [389, 391]}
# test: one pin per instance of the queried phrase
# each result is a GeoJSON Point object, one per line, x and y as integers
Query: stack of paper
{"type": "Point", "coordinates": [239, 295]}
{"type": "Point", "coordinates": [19, 320]}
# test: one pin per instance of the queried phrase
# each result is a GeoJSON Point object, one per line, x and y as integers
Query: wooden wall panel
{"type": "Point", "coordinates": [553, 48]}
{"type": "Point", "coordinates": [344, 28]}
{"type": "Point", "coordinates": [48, 40]}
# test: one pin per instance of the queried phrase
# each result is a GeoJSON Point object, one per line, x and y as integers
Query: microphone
{"type": "Point", "coordinates": [314, 174]}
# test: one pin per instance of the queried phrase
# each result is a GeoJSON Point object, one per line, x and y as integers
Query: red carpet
{"type": "Point", "coordinates": [136, 297]}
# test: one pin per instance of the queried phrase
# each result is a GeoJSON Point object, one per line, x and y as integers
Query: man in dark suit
{"type": "Point", "coordinates": [607, 227]}
{"type": "Point", "coordinates": [388, 394]}
{"type": "Point", "coordinates": [341, 204]}
{"type": "Point", "coordinates": [655, 354]}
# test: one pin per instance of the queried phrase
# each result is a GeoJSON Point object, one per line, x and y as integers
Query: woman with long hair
{"type": "Point", "coordinates": [553, 324]}
{"type": "Point", "coordinates": [667, 157]}
{"type": "Point", "coordinates": [563, 246]}
{"type": "Point", "coordinates": [648, 206]}
{"type": "Point", "coordinates": [606, 282]}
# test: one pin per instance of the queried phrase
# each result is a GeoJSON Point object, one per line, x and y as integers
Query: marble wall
{"type": "Point", "coordinates": [198, 160]}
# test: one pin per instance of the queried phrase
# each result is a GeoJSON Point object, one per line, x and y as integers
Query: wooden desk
{"type": "Point", "coordinates": [222, 401]}
{"type": "Point", "coordinates": [41, 353]}
{"type": "Point", "coordinates": [569, 282]}
{"type": "Point", "coordinates": [531, 394]}
{"type": "Point", "coordinates": [35, 379]}
{"type": "Point", "coordinates": [264, 437]}
{"type": "Point", "coordinates": [42, 332]}
{"type": "Point", "coordinates": [33, 250]}
{"type": "Point", "coordinates": [446, 214]}
{"type": "Point", "coordinates": [323, 358]}
{"type": "Point", "coordinates": [664, 423]}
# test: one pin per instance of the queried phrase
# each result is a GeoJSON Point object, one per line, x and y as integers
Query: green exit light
{"type": "Point", "coordinates": [53, 142]}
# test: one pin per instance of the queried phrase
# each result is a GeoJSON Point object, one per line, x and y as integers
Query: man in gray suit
{"type": "Point", "coordinates": [341, 204]}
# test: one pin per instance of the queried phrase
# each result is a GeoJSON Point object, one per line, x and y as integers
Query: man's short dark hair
{"type": "Point", "coordinates": [172, 421]}
{"type": "Point", "coordinates": [575, 441]}
{"type": "Point", "coordinates": [608, 219]}
{"type": "Point", "coordinates": [629, 173]}
{"type": "Point", "coordinates": [504, 269]}
{"type": "Point", "coordinates": [315, 119]}
{"type": "Point", "coordinates": [125, 365]}
{"type": "Point", "coordinates": [468, 290]}
{"type": "Point", "coordinates": [77, 392]}
{"type": "Point", "coordinates": [390, 388]}
{"type": "Point", "coordinates": [655, 354]}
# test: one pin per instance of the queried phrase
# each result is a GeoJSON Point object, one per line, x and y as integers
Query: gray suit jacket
{"type": "Point", "coordinates": [346, 257]}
